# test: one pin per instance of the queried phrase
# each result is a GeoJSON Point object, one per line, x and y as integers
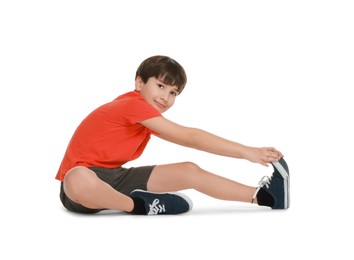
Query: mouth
{"type": "Point", "coordinates": [160, 105]}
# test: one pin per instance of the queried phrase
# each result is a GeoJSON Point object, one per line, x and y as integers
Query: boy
{"type": "Point", "coordinates": [92, 174]}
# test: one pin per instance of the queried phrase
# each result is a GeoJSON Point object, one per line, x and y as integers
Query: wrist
{"type": "Point", "coordinates": [245, 152]}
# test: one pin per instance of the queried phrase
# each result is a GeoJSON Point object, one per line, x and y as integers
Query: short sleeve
{"type": "Point", "coordinates": [129, 109]}
{"type": "Point", "coordinates": [138, 110]}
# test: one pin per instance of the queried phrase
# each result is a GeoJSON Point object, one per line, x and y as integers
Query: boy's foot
{"type": "Point", "coordinates": [163, 203]}
{"type": "Point", "coordinates": [274, 191]}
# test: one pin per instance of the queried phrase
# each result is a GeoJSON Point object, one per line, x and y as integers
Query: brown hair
{"type": "Point", "coordinates": [163, 68]}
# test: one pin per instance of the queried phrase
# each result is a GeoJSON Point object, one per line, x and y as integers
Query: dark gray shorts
{"type": "Point", "coordinates": [124, 180]}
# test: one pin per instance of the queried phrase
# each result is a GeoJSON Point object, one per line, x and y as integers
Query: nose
{"type": "Point", "coordinates": [164, 97]}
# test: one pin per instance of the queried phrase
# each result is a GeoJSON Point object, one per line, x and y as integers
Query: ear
{"type": "Point", "coordinates": [138, 83]}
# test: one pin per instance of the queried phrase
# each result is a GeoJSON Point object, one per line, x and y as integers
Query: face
{"type": "Point", "coordinates": [158, 94]}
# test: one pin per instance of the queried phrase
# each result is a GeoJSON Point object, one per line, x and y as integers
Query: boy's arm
{"type": "Point", "coordinates": [205, 141]}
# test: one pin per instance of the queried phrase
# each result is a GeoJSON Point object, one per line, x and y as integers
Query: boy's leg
{"type": "Point", "coordinates": [272, 192]}
{"type": "Point", "coordinates": [187, 175]}
{"type": "Point", "coordinates": [83, 186]}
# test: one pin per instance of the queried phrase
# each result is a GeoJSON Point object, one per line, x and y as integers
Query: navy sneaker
{"type": "Point", "coordinates": [277, 186]}
{"type": "Point", "coordinates": [163, 203]}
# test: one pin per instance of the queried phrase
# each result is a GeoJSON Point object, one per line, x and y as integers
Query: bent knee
{"type": "Point", "coordinates": [78, 174]}
{"type": "Point", "coordinates": [77, 181]}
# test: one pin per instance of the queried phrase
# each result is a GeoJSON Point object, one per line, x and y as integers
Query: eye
{"type": "Point", "coordinates": [160, 86]}
{"type": "Point", "coordinates": [174, 93]}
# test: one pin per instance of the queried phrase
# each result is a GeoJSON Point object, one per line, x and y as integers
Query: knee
{"type": "Point", "coordinates": [191, 167]}
{"type": "Point", "coordinates": [77, 182]}
{"type": "Point", "coordinates": [192, 174]}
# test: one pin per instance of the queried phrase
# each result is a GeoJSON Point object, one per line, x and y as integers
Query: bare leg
{"type": "Point", "coordinates": [83, 186]}
{"type": "Point", "coordinates": [180, 176]}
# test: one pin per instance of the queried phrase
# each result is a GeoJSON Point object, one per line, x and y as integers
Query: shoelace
{"type": "Point", "coordinates": [264, 181]}
{"type": "Point", "coordinates": [156, 208]}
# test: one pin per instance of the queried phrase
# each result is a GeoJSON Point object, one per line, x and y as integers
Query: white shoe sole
{"type": "Point", "coordinates": [285, 176]}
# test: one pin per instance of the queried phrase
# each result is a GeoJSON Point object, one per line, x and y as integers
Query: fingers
{"type": "Point", "coordinates": [267, 155]}
{"type": "Point", "coordinates": [272, 154]}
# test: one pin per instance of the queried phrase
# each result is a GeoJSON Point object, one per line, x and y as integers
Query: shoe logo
{"type": "Point", "coordinates": [156, 208]}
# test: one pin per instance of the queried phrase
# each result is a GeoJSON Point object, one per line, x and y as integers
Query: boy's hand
{"type": "Point", "coordinates": [264, 155]}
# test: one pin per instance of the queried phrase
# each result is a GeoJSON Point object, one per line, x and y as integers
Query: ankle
{"type": "Point", "coordinates": [254, 197]}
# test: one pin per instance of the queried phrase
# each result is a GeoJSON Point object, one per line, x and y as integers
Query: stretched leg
{"type": "Point", "coordinates": [187, 175]}
{"type": "Point", "coordinates": [83, 186]}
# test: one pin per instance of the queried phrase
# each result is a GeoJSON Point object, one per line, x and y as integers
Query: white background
{"type": "Point", "coordinates": [263, 73]}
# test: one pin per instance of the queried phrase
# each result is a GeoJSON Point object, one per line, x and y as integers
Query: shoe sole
{"type": "Point", "coordinates": [285, 176]}
{"type": "Point", "coordinates": [190, 202]}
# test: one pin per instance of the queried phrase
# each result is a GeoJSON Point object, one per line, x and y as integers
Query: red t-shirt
{"type": "Point", "coordinates": [111, 135]}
